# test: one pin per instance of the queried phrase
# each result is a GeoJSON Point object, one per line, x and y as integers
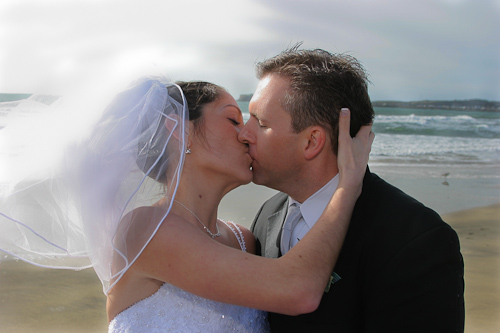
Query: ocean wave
{"type": "Point", "coordinates": [413, 118]}
{"type": "Point", "coordinates": [418, 145]}
{"type": "Point", "coordinates": [456, 126]}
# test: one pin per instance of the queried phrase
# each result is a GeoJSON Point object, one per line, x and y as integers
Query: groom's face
{"type": "Point", "coordinates": [273, 144]}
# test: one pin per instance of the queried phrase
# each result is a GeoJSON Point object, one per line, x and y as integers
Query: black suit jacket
{"type": "Point", "coordinates": [400, 267]}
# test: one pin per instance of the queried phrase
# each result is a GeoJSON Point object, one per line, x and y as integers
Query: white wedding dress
{"type": "Point", "coordinates": [171, 309]}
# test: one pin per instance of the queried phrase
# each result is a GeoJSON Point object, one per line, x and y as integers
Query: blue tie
{"type": "Point", "coordinates": [293, 217]}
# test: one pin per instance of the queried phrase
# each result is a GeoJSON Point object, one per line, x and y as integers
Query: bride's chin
{"type": "Point", "coordinates": [247, 179]}
{"type": "Point", "coordinates": [242, 177]}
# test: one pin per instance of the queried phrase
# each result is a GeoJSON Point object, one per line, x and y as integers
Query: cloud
{"type": "Point", "coordinates": [413, 50]}
{"type": "Point", "coordinates": [58, 41]}
{"type": "Point", "coordinates": [430, 49]}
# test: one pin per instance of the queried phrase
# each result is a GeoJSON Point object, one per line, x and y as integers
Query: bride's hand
{"type": "Point", "coordinates": [352, 157]}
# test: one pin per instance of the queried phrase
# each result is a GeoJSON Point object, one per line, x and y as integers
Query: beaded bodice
{"type": "Point", "coordinates": [172, 309]}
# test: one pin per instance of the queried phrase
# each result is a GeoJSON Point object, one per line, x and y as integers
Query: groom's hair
{"type": "Point", "coordinates": [321, 83]}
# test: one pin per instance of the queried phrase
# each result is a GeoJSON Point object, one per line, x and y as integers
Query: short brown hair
{"type": "Point", "coordinates": [321, 83]}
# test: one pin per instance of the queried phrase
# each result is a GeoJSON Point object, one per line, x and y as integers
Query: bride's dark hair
{"type": "Point", "coordinates": [197, 95]}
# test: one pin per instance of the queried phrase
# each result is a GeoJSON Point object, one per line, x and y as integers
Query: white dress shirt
{"type": "Point", "coordinates": [311, 210]}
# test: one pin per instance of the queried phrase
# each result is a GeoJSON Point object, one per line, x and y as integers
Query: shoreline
{"type": "Point", "coordinates": [45, 300]}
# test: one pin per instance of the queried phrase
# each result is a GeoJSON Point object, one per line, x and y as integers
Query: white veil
{"type": "Point", "coordinates": [66, 195]}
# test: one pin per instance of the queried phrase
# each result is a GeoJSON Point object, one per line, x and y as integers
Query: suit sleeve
{"type": "Point", "coordinates": [420, 288]}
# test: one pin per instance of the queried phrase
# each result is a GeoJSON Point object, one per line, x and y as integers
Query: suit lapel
{"type": "Point", "coordinates": [274, 226]}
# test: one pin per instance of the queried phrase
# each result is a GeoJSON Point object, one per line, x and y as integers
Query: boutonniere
{"type": "Point", "coordinates": [333, 279]}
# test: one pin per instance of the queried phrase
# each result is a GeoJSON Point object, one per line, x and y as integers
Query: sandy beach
{"type": "Point", "coordinates": [44, 300]}
{"type": "Point", "coordinates": [479, 232]}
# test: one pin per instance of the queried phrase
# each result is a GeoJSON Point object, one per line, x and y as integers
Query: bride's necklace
{"type": "Point", "coordinates": [204, 227]}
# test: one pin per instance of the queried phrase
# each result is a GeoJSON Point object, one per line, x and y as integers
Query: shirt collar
{"type": "Point", "coordinates": [314, 206]}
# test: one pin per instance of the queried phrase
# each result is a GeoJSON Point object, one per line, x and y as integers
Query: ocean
{"type": "Point", "coordinates": [437, 136]}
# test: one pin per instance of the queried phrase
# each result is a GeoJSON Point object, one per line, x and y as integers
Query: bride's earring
{"type": "Point", "coordinates": [188, 150]}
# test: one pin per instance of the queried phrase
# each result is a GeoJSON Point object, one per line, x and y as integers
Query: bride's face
{"type": "Point", "coordinates": [217, 148]}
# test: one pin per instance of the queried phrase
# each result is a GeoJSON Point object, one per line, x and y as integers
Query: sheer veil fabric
{"type": "Point", "coordinates": [69, 184]}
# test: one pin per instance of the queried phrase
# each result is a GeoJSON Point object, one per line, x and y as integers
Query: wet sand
{"type": "Point", "coordinates": [44, 300]}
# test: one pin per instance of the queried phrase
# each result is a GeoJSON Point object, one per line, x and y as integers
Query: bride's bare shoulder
{"type": "Point", "coordinates": [145, 221]}
{"type": "Point", "coordinates": [154, 214]}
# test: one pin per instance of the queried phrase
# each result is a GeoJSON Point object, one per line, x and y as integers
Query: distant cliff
{"type": "Point", "coordinates": [469, 104]}
{"type": "Point", "coordinates": [245, 97]}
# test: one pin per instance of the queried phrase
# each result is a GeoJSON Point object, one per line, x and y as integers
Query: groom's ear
{"type": "Point", "coordinates": [315, 137]}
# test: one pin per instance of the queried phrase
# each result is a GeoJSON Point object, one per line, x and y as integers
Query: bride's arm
{"type": "Point", "coordinates": [293, 284]}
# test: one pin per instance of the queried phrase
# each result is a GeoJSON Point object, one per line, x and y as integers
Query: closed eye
{"type": "Point", "coordinates": [234, 121]}
{"type": "Point", "coordinates": [259, 121]}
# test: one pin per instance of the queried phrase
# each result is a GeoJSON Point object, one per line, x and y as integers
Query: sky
{"type": "Point", "coordinates": [412, 49]}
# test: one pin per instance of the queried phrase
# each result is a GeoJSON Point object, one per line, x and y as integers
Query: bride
{"type": "Point", "coordinates": [139, 197]}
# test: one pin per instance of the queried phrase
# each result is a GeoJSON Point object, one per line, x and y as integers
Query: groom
{"type": "Point", "coordinates": [400, 269]}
